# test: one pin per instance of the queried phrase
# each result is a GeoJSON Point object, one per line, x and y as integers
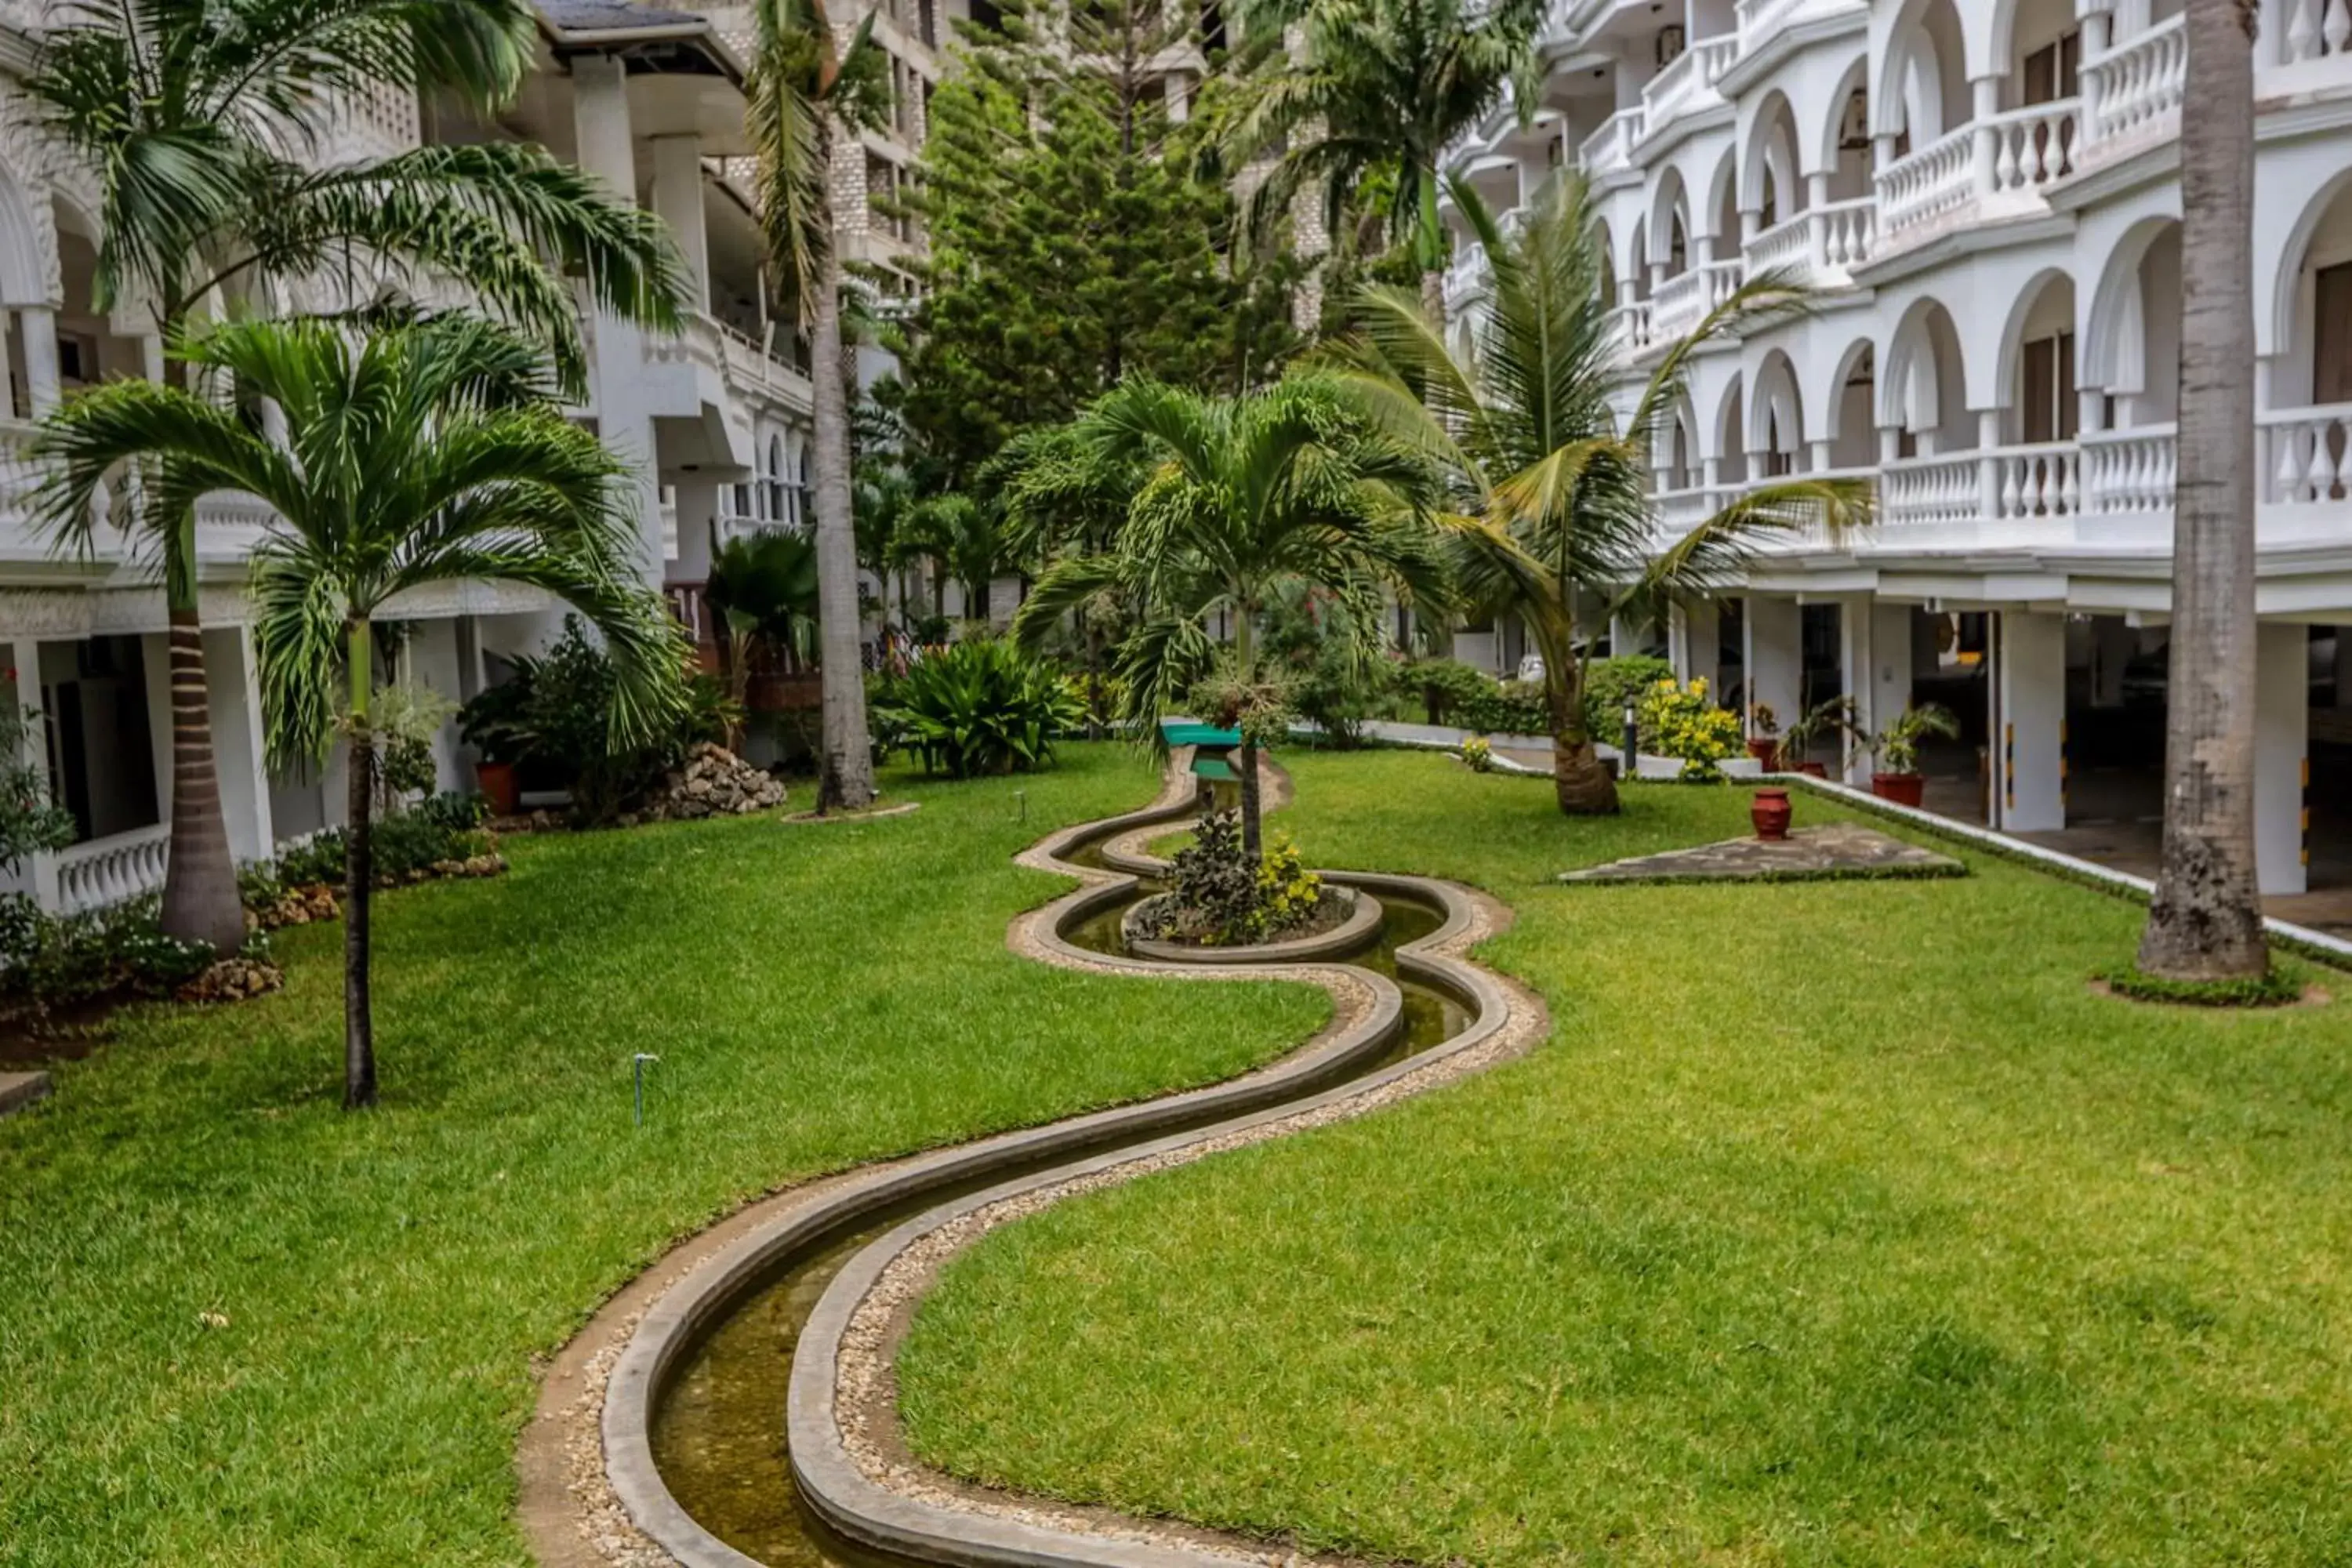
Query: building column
{"type": "Point", "coordinates": [24, 654]}
{"type": "Point", "coordinates": [1774, 655]}
{"type": "Point", "coordinates": [2030, 751]}
{"type": "Point", "coordinates": [1857, 667]}
{"type": "Point", "coordinates": [2344, 666]}
{"type": "Point", "coordinates": [1694, 639]}
{"type": "Point", "coordinates": [599, 114]}
{"type": "Point", "coordinates": [39, 324]}
{"type": "Point", "coordinates": [235, 700]}
{"type": "Point", "coordinates": [678, 201]}
{"type": "Point", "coordinates": [2281, 756]}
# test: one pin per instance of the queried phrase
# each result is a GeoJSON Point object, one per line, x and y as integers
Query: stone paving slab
{"type": "Point", "coordinates": [1841, 850]}
{"type": "Point", "coordinates": [19, 1090]}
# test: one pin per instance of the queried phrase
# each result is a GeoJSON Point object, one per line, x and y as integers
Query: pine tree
{"type": "Point", "coordinates": [1077, 236]}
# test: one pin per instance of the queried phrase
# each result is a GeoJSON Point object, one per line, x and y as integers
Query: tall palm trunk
{"type": "Point", "coordinates": [1581, 781]}
{"type": "Point", "coordinates": [200, 897]}
{"type": "Point", "coordinates": [2205, 921]}
{"type": "Point", "coordinates": [845, 777]}
{"type": "Point", "coordinates": [1245, 663]}
{"type": "Point", "coordinates": [359, 884]}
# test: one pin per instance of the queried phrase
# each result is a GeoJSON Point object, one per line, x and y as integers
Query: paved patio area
{"type": "Point", "coordinates": [1838, 850]}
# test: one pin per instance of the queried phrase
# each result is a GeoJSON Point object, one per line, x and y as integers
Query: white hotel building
{"type": "Point", "coordinates": [716, 417]}
{"type": "Point", "coordinates": [1985, 192]}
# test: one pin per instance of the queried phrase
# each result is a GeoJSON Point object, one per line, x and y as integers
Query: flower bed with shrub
{"type": "Point", "coordinates": [1216, 898]}
{"type": "Point", "coordinates": [1678, 720]}
{"type": "Point", "coordinates": [974, 707]}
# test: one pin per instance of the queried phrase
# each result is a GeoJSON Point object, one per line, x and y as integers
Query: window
{"type": "Point", "coordinates": [2054, 70]}
{"type": "Point", "coordinates": [1670, 45]}
{"type": "Point", "coordinates": [2048, 401]}
{"type": "Point", "coordinates": [776, 512]}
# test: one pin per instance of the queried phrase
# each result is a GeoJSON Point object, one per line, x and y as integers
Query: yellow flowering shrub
{"type": "Point", "coordinates": [1678, 720]}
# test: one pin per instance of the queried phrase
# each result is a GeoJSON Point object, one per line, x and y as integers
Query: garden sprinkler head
{"type": "Point", "coordinates": [1023, 796]}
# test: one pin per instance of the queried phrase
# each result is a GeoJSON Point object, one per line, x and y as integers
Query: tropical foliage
{"type": "Point", "coordinates": [1239, 497]}
{"type": "Point", "coordinates": [1679, 720]}
{"type": "Point", "coordinates": [980, 706]}
{"type": "Point", "coordinates": [423, 453]}
{"type": "Point", "coordinates": [1553, 509]}
{"type": "Point", "coordinates": [200, 127]}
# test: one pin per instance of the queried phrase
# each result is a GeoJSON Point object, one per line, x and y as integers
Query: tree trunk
{"type": "Point", "coordinates": [200, 897]}
{"type": "Point", "coordinates": [1581, 781]}
{"type": "Point", "coordinates": [359, 884]}
{"type": "Point", "coordinates": [845, 775]}
{"type": "Point", "coordinates": [2205, 920]}
{"type": "Point", "coordinates": [1251, 840]}
{"type": "Point", "coordinates": [1433, 295]}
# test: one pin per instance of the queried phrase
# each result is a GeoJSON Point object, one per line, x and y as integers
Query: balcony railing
{"type": "Point", "coordinates": [2306, 453]}
{"type": "Point", "coordinates": [2131, 94]}
{"type": "Point", "coordinates": [1999, 163]}
{"type": "Point", "coordinates": [1465, 273]}
{"type": "Point", "coordinates": [1686, 80]}
{"type": "Point", "coordinates": [1820, 243]}
{"type": "Point", "coordinates": [1611, 148]}
{"type": "Point", "coordinates": [108, 870]}
{"type": "Point", "coordinates": [2317, 29]}
{"type": "Point", "coordinates": [2127, 470]}
{"type": "Point", "coordinates": [1682, 301]}
{"type": "Point", "coordinates": [2000, 484]}
{"type": "Point", "coordinates": [1633, 335]}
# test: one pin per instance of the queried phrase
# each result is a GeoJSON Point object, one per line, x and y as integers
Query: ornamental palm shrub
{"type": "Point", "coordinates": [981, 705]}
{"type": "Point", "coordinates": [1551, 502]}
{"type": "Point", "coordinates": [198, 127]}
{"type": "Point", "coordinates": [426, 453]}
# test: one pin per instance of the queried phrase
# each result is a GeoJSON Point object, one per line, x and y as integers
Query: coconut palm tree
{"type": "Point", "coordinates": [805, 89]}
{"type": "Point", "coordinates": [1555, 510]}
{"type": "Point", "coordinates": [1240, 495]}
{"type": "Point", "coordinates": [199, 125]}
{"type": "Point", "coordinates": [1380, 88]}
{"type": "Point", "coordinates": [427, 453]}
{"type": "Point", "coordinates": [2205, 921]}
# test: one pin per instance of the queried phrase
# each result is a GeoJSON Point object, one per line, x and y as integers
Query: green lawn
{"type": "Point", "coordinates": [818, 997]}
{"type": "Point", "coordinates": [1838, 1224]}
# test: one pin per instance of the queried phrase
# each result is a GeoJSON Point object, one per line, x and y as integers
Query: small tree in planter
{"type": "Point", "coordinates": [1764, 736]}
{"type": "Point", "coordinates": [1896, 747]}
{"type": "Point", "coordinates": [1824, 719]}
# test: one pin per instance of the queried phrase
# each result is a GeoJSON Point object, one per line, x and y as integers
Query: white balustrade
{"type": "Point", "coordinates": [1611, 146]}
{"type": "Point", "coordinates": [1787, 244]}
{"type": "Point", "coordinates": [1632, 326]}
{"type": "Point", "coordinates": [1680, 510]}
{"type": "Point", "coordinates": [2034, 145]}
{"type": "Point", "coordinates": [1760, 20]}
{"type": "Point", "coordinates": [1684, 301]}
{"type": "Point", "coordinates": [2042, 480]}
{"type": "Point", "coordinates": [1686, 79]}
{"type": "Point", "coordinates": [1939, 489]}
{"type": "Point", "coordinates": [1466, 272]}
{"type": "Point", "coordinates": [2127, 470]}
{"type": "Point", "coordinates": [1921, 189]}
{"type": "Point", "coordinates": [108, 870]}
{"type": "Point", "coordinates": [2132, 92]}
{"type": "Point", "coordinates": [1823, 242]}
{"type": "Point", "coordinates": [2317, 29]}
{"type": "Point", "coordinates": [2306, 453]}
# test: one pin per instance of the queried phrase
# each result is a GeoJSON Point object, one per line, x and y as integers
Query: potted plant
{"type": "Point", "coordinates": [1835, 716]}
{"type": "Point", "coordinates": [1764, 736]}
{"type": "Point", "coordinates": [494, 724]}
{"type": "Point", "coordinates": [1896, 747]}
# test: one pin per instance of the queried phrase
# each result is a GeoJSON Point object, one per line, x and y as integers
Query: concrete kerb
{"type": "Point", "coordinates": [1295, 1085]}
{"type": "Point", "coordinates": [1357, 930]}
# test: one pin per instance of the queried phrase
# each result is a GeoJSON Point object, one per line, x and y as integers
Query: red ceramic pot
{"type": "Point", "coordinates": [1903, 789]}
{"type": "Point", "coordinates": [497, 782]}
{"type": "Point", "coordinates": [1813, 769]}
{"type": "Point", "coordinates": [1769, 810]}
{"type": "Point", "coordinates": [1766, 750]}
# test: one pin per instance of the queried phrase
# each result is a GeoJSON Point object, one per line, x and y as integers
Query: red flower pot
{"type": "Point", "coordinates": [497, 782]}
{"type": "Point", "coordinates": [1903, 789]}
{"type": "Point", "coordinates": [1769, 811]}
{"type": "Point", "coordinates": [1812, 770]}
{"type": "Point", "coordinates": [1766, 750]}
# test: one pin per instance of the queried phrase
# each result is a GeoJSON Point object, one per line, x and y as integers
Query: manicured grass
{"type": "Point", "coordinates": [1838, 1224]}
{"type": "Point", "coordinates": [818, 997]}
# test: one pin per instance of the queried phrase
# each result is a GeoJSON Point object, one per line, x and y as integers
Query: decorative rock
{"type": "Point", "coordinates": [233, 980]}
{"type": "Point", "coordinates": [714, 782]}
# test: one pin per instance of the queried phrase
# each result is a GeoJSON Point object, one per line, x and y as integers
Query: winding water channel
{"type": "Point", "coordinates": [719, 1419]}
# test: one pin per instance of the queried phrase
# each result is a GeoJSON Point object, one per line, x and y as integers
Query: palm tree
{"type": "Point", "coordinates": [2205, 921]}
{"type": "Point", "coordinates": [1240, 495]}
{"type": "Point", "coordinates": [1382, 88]}
{"type": "Point", "coordinates": [427, 453]}
{"type": "Point", "coordinates": [189, 119]}
{"type": "Point", "coordinates": [804, 89]}
{"type": "Point", "coordinates": [762, 594]}
{"type": "Point", "coordinates": [1555, 506]}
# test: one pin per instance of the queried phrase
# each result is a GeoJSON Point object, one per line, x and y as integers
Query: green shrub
{"type": "Point", "coordinates": [1220, 900]}
{"type": "Point", "coordinates": [980, 706]}
{"type": "Point", "coordinates": [2274, 988]}
{"type": "Point", "coordinates": [1606, 683]}
{"type": "Point", "coordinates": [440, 827]}
{"type": "Point", "coordinates": [55, 960]}
{"type": "Point", "coordinates": [1333, 672]}
{"type": "Point", "coordinates": [1467, 696]}
{"type": "Point", "coordinates": [1680, 721]}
